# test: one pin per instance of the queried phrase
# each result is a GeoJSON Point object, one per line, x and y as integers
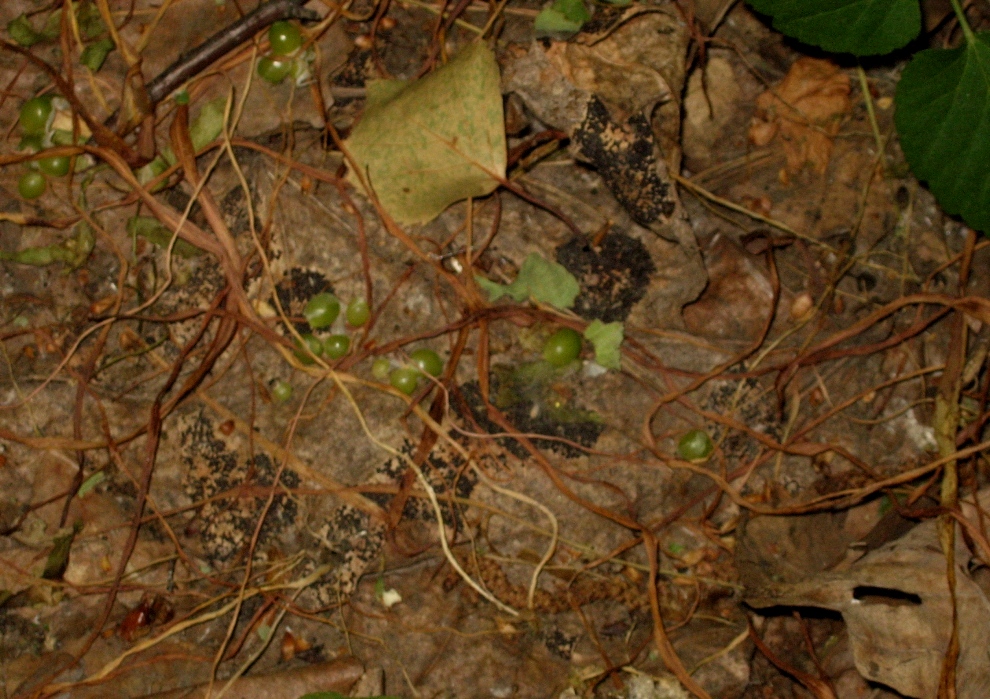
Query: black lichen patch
{"type": "Point", "coordinates": [559, 643]}
{"type": "Point", "coordinates": [625, 155]}
{"type": "Point", "coordinates": [531, 410]}
{"type": "Point", "coordinates": [226, 525]}
{"type": "Point", "coordinates": [613, 277]}
{"type": "Point", "coordinates": [443, 468]}
{"type": "Point", "coordinates": [19, 636]}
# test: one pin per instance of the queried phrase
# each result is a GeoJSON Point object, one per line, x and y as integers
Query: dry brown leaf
{"type": "Point", "coordinates": [898, 612]}
{"type": "Point", "coordinates": [805, 109]}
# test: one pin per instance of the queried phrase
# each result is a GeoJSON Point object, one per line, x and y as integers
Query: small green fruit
{"type": "Point", "coordinates": [313, 344]}
{"type": "Point", "coordinates": [284, 38]}
{"type": "Point", "coordinates": [427, 361]}
{"type": "Point", "coordinates": [381, 368]}
{"type": "Point", "coordinates": [31, 185]}
{"type": "Point", "coordinates": [562, 347]}
{"type": "Point", "coordinates": [404, 379]}
{"type": "Point", "coordinates": [57, 165]}
{"type": "Point", "coordinates": [35, 114]}
{"type": "Point", "coordinates": [282, 391]}
{"type": "Point", "coordinates": [274, 70]}
{"type": "Point", "coordinates": [358, 313]}
{"type": "Point", "coordinates": [336, 346]}
{"type": "Point", "coordinates": [322, 310]}
{"type": "Point", "coordinates": [695, 445]}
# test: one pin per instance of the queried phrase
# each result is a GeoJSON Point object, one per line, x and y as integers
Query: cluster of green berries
{"type": "Point", "coordinates": [423, 362]}
{"type": "Point", "coordinates": [320, 312]}
{"type": "Point", "coordinates": [36, 119]}
{"type": "Point", "coordinates": [285, 41]}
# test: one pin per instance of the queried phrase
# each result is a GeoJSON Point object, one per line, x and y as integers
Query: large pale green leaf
{"type": "Point", "coordinates": [943, 118]}
{"type": "Point", "coordinates": [859, 27]}
{"type": "Point", "coordinates": [540, 280]}
{"type": "Point", "coordinates": [436, 141]}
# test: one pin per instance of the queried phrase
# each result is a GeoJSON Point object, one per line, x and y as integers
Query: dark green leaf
{"type": "Point", "coordinates": [58, 559]}
{"type": "Point", "coordinates": [90, 22]}
{"type": "Point", "coordinates": [859, 27]}
{"type": "Point", "coordinates": [562, 19]}
{"type": "Point", "coordinates": [943, 118]}
{"type": "Point", "coordinates": [22, 31]}
{"type": "Point", "coordinates": [96, 53]}
{"type": "Point", "coordinates": [154, 231]}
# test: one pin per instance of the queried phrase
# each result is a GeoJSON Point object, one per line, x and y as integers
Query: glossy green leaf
{"type": "Point", "coordinates": [607, 338]}
{"type": "Point", "coordinates": [438, 140]}
{"type": "Point", "coordinates": [543, 281]}
{"type": "Point", "coordinates": [94, 55]}
{"type": "Point", "coordinates": [943, 118]}
{"type": "Point", "coordinates": [859, 27]}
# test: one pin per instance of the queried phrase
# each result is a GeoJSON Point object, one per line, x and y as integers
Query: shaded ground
{"type": "Point", "coordinates": [785, 286]}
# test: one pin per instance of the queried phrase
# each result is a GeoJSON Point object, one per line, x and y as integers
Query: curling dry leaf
{"type": "Point", "coordinates": [805, 109]}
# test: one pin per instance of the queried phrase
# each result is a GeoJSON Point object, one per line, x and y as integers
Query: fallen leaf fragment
{"type": "Point", "coordinates": [424, 145]}
{"type": "Point", "coordinates": [898, 612]}
{"type": "Point", "coordinates": [805, 109]}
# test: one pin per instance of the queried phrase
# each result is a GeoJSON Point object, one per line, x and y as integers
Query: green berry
{"type": "Point", "coordinates": [313, 344]}
{"type": "Point", "coordinates": [36, 114]}
{"type": "Point", "coordinates": [274, 70]}
{"type": "Point", "coordinates": [358, 313]}
{"type": "Point", "coordinates": [57, 165]}
{"type": "Point", "coordinates": [381, 368]}
{"type": "Point", "coordinates": [562, 347]}
{"type": "Point", "coordinates": [427, 361]}
{"type": "Point", "coordinates": [336, 346]}
{"type": "Point", "coordinates": [31, 185]}
{"type": "Point", "coordinates": [322, 310]}
{"type": "Point", "coordinates": [695, 446]}
{"type": "Point", "coordinates": [282, 391]}
{"type": "Point", "coordinates": [284, 38]}
{"type": "Point", "coordinates": [404, 379]}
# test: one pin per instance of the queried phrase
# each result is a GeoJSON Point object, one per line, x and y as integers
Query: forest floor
{"type": "Point", "coordinates": [190, 505]}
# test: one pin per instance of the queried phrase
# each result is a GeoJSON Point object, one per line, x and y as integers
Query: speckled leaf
{"type": "Point", "coordinates": [545, 282]}
{"type": "Point", "coordinates": [607, 338]}
{"type": "Point", "coordinates": [943, 118]}
{"type": "Point", "coordinates": [435, 142]}
{"type": "Point", "coordinates": [859, 27]}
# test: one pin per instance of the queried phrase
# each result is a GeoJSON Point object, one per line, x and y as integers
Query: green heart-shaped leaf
{"type": "Point", "coordinates": [859, 27]}
{"type": "Point", "coordinates": [943, 118]}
